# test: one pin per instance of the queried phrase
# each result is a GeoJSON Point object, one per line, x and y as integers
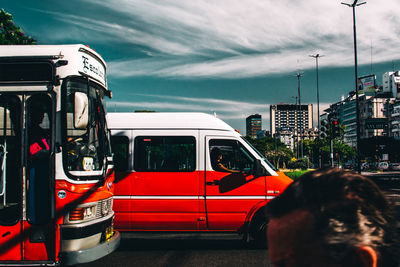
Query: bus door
{"type": "Point", "coordinates": [26, 180]}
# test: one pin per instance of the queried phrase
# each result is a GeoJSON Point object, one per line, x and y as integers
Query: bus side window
{"type": "Point", "coordinates": [165, 154]}
{"type": "Point", "coordinates": [120, 149]}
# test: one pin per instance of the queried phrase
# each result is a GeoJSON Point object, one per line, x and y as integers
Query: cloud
{"type": "Point", "coordinates": [233, 112]}
{"type": "Point", "coordinates": [259, 38]}
{"type": "Point", "coordinates": [236, 39]}
{"type": "Point", "coordinates": [167, 103]}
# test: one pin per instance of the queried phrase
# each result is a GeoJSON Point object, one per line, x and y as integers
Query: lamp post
{"type": "Point", "coordinates": [296, 136]}
{"type": "Point", "coordinates": [299, 75]}
{"type": "Point", "coordinates": [353, 6]}
{"type": "Point", "coordinates": [316, 56]}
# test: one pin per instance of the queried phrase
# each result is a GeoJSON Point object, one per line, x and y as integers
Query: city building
{"type": "Point", "coordinates": [253, 125]}
{"type": "Point", "coordinates": [374, 116]}
{"type": "Point", "coordinates": [379, 117]}
{"type": "Point", "coordinates": [287, 121]}
{"type": "Point", "coordinates": [394, 121]}
{"type": "Point", "coordinates": [391, 83]}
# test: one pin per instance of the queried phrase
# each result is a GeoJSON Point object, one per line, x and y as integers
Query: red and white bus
{"type": "Point", "coordinates": [189, 172]}
{"type": "Point", "coordinates": [56, 179]}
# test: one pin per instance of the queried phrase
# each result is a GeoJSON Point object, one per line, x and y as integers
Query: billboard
{"type": "Point", "coordinates": [376, 123]}
{"type": "Point", "coordinates": [366, 84]}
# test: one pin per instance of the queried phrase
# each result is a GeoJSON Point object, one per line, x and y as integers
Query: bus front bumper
{"type": "Point", "coordinates": [91, 254]}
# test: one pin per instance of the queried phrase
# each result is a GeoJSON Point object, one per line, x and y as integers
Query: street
{"type": "Point", "coordinates": [389, 182]}
{"type": "Point", "coordinates": [141, 249]}
{"type": "Point", "coordinates": [193, 249]}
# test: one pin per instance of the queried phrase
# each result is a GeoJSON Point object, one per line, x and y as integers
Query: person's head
{"type": "Point", "coordinates": [36, 115]}
{"type": "Point", "coordinates": [331, 218]}
{"type": "Point", "coordinates": [215, 155]}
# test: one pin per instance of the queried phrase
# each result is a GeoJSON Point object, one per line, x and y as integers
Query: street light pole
{"type": "Point", "coordinates": [316, 56]}
{"type": "Point", "coordinates": [299, 75]}
{"type": "Point", "coordinates": [353, 6]}
{"type": "Point", "coordinates": [296, 130]}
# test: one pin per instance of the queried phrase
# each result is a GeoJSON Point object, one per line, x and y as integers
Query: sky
{"type": "Point", "coordinates": [232, 58]}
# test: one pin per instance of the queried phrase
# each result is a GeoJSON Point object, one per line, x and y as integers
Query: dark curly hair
{"type": "Point", "coordinates": [349, 211]}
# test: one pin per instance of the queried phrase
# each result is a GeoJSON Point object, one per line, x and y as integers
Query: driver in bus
{"type": "Point", "coordinates": [39, 145]}
{"type": "Point", "coordinates": [39, 152]}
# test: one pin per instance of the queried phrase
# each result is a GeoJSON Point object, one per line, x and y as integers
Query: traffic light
{"type": "Point", "coordinates": [335, 126]}
{"type": "Point", "coordinates": [323, 131]}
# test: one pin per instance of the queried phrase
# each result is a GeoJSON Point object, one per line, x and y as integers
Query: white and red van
{"type": "Point", "coordinates": [167, 178]}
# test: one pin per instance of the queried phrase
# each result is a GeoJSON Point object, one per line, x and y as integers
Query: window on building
{"type": "Point", "coordinates": [165, 154]}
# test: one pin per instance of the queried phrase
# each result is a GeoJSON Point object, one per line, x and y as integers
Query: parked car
{"type": "Point", "coordinates": [383, 166]}
{"type": "Point", "coordinates": [394, 166]}
{"type": "Point", "coordinates": [348, 166]}
{"type": "Point", "coordinates": [368, 166]}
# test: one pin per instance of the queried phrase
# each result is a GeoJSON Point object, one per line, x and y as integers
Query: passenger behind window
{"type": "Point", "coordinates": [216, 161]}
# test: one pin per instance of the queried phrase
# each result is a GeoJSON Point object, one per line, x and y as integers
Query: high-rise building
{"type": "Point", "coordinates": [287, 121]}
{"type": "Point", "coordinates": [290, 116]}
{"type": "Point", "coordinates": [253, 125]}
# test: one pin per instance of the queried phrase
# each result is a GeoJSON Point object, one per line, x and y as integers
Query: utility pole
{"type": "Point", "coordinates": [353, 6]}
{"type": "Point", "coordinates": [316, 56]}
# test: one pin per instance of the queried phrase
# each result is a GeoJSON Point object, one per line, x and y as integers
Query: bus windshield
{"type": "Point", "coordinates": [85, 145]}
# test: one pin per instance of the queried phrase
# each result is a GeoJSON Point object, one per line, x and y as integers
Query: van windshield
{"type": "Point", "coordinates": [261, 155]}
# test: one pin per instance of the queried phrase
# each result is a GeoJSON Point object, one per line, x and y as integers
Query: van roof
{"type": "Point", "coordinates": [165, 120]}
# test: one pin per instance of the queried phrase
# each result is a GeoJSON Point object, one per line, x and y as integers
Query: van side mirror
{"type": "Point", "coordinates": [81, 110]}
{"type": "Point", "coordinates": [259, 169]}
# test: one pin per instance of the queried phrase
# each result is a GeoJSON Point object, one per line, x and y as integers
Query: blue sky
{"type": "Point", "coordinates": [229, 57]}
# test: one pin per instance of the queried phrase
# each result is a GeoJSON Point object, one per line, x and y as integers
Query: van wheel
{"type": "Point", "coordinates": [258, 230]}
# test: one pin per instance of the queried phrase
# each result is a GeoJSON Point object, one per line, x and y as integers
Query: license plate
{"type": "Point", "coordinates": [109, 232]}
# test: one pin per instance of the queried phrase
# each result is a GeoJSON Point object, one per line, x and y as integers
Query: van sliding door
{"type": "Point", "coordinates": [166, 182]}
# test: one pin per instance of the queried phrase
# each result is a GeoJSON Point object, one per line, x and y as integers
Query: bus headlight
{"type": "Point", "coordinates": [83, 214]}
{"type": "Point", "coordinates": [90, 211]}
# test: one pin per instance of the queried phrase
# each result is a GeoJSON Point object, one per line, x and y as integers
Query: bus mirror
{"type": "Point", "coordinates": [81, 110]}
{"type": "Point", "coordinates": [259, 169]}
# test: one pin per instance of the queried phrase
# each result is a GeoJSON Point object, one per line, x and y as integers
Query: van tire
{"type": "Point", "coordinates": [257, 230]}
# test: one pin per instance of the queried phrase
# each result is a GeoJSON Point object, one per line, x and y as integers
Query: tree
{"type": "Point", "coordinates": [11, 34]}
{"type": "Point", "coordinates": [342, 152]}
{"type": "Point", "coordinates": [273, 149]}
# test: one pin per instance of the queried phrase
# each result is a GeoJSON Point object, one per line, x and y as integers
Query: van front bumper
{"type": "Point", "coordinates": [91, 254]}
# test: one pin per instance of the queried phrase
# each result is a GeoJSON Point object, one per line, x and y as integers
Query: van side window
{"type": "Point", "coordinates": [165, 154]}
{"type": "Point", "coordinates": [120, 149]}
{"type": "Point", "coordinates": [230, 156]}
